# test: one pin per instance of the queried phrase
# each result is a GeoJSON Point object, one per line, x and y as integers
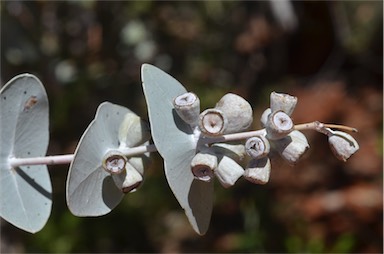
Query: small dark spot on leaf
{"type": "Point", "coordinates": [5, 97]}
{"type": "Point", "coordinates": [25, 92]}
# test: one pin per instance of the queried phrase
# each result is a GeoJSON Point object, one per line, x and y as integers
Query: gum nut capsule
{"type": "Point", "coordinates": [257, 147]}
{"type": "Point", "coordinates": [228, 172]}
{"type": "Point", "coordinates": [203, 165]}
{"type": "Point", "coordinates": [187, 106]}
{"type": "Point", "coordinates": [279, 125]}
{"type": "Point", "coordinates": [292, 147]}
{"type": "Point", "coordinates": [129, 180]}
{"type": "Point", "coordinates": [283, 102]}
{"type": "Point", "coordinates": [258, 170]}
{"type": "Point", "coordinates": [133, 131]}
{"type": "Point", "coordinates": [132, 180]}
{"type": "Point", "coordinates": [238, 112]}
{"type": "Point", "coordinates": [234, 151]}
{"type": "Point", "coordinates": [264, 117]}
{"type": "Point", "coordinates": [342, 144]}
{"type": "Point", "coordinates": [212, 122]}
{"type": "Point", "coordinates": [139, 162]}
{"type": "Point", "coordinates": [114, 162]}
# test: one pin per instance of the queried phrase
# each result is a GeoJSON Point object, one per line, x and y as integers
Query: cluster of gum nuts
{"type": "Point", "coordinates": [233, 115]}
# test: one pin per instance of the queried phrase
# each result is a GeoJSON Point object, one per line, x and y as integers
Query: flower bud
{"type": "Point", "coordinates": [257, 147]}
{"type": "Point", "coordinates": [292, 147]}
{"type": "Point", "coordinates": [187, 107]}
{"type": "Point", "coordinates": [258, 170]}
{"type": "Point", "coordinates": [264, 117]}
{"type": "Point", "coordinates": [342, 144]}
{"type": "Point", "coordinates": [283, 102]}
{"type": "Point", "coordinates": [212, 122]}
{"type": "Point", "coordinates": [237, 111]}
{"type": "Point", "coordinates": [228, 171]}
{"type": "Point", "coordinates": [133, 131]}
{"type": "Point", "coordinates": [114, 162]}
{"type": "Point", "coordinates": [279, 125]}
{"type": "Point", "coordinates": [203, 165]}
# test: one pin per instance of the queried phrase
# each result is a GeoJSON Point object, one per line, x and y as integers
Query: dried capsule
{"type": "Point", "coordinates": [140, 162]}
{"type": "Point", "coordinates": [187, 107]}
{"type": "Point", "coordinates": [292, 147]}
{"type": "Point", "coordinates": [228, 171]}
{"type": "Point", "coordinates": [283, 102]}
{"type": "Point", "coordinates": [257, 147]}
{"type": "Point", "coordinates": [279, 125]}
{"type": "Point", "coordinates": [342, 144]}
{"type": "Point", "coordinates": [132, 180]}
{"type": "Point", "coordinates": [234, 151]}
{"type": "Point", "coordinates": [203, 165]}
{"type": "Point", "coordinates": [264, 117]}
{"type": "Point", "coordinates": [212, 122]}
{"type": "Point", "coordinates": [114, 162]}
{"type": "Point", "coordinates": [129, 180]}
{"type": "Point", "coordinates": [237, 111]}
{"type": "Point", "coordinates": [258, 170]}
{"type": "Point", "coordinates": [133, 131]}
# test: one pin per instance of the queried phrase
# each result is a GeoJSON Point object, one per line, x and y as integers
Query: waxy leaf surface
{"type": "Point", "coordinates": [176, 143]}
{"type": "Point", "coordinates": [91, 191]}
{"type": "Point", "coordinates": [25, 191]}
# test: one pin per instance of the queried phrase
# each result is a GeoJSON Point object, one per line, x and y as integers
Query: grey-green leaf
{"type": "Point", "coordinates": [91, 190]}
{"type": "Point", "coordinates": [176, 143]}
{"type": "Point", "coordinates": [25, 191]}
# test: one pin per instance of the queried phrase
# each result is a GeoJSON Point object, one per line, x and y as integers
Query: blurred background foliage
{"type": "Point", "coordinates": [329, 54]}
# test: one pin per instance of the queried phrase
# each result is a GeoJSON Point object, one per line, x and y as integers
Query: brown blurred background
{"type": "Point", "coordinates": [328, 54]}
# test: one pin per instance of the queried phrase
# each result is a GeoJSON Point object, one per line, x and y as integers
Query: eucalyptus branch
{"type": "Point", "coordinates": [89, 189]}
{"type": "Point", "coordinates": [130, 152]}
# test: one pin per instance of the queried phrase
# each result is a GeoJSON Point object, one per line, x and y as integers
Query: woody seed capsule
{"type": "Point", "coordinates": [212, 122]}
{"type": "Point", "coordinates": [342, 144]}
{"type": "Point", "coordinates": [114, 162]}
{"type": "Point", "coordinates": [264, 117]}
{"type": "Point", "coordinates": [234, 151]}
{"type": "Point", "coordinates": [238, 113]}
{"type": "Point", "coordinates": [203, 165]}
{"type": "Point", "coordinates": [257, 147]}
{"type": "Point", "coordinates": [132, 180]}
{"type": "Point", "coordinates": [228, 171]}
{"type": "Point", "coordinates": [258, 171]}
{"type": "Point", "coordinates": [187, 107]}
{"type": "Point", "coordinates": [283, 102]}
{"type": "Point", "coordinates": [279, 125]}
{"type": "Point", "coordinates": [292, 147]}
{"type": "Point", "coordinates": [129, 180]}
{"type": "Point", "coordinates": [133, 131]}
